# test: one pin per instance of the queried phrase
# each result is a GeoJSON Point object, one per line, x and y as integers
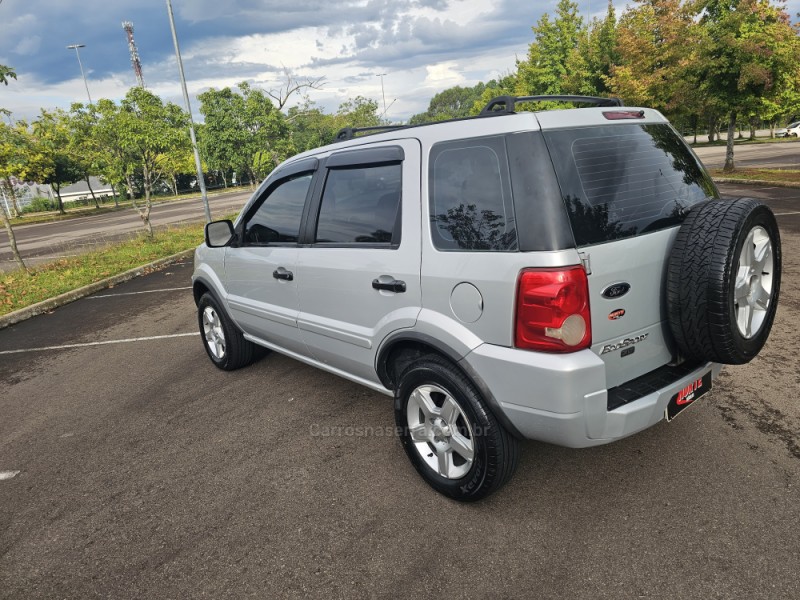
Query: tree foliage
{"type": "Point", "coordinates": [453, 103]}
{"type": "Point", "coordinates": [150, 128]}
{"type": "Point", "coordinates": [6, 73]}
{"type": "Point", "coordinates": [747, 50]}
{"type": "Point", "coordinates": [242, 129]}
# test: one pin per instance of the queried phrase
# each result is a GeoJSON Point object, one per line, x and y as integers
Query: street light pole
{"type": "Point", "coordinates": [80, 64]}
{"type": "Point", "coordinates": [381, 75]}
{"type": "Point", "coordinates": [197, 162]}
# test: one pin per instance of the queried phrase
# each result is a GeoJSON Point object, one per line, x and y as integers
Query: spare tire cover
{"type": "Point", "coordinates": [723, 280]}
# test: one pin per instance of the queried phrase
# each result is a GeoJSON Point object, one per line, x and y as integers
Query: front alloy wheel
{"type": "Point", "coordinates": [213, 332]}
{"type": "Point", "coordinates": [222, 339]}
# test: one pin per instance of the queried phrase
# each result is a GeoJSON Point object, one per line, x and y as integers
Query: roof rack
{"type": "Point", "coordinates": [504, 105]}
{"type": "Point", "coordinates": [348, 133]}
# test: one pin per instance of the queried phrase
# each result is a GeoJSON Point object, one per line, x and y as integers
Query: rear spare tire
{"type": "Point", "coordinates": [723, 280]}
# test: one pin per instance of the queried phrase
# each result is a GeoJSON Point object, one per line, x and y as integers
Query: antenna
{"type": "Point", "coordinates": [135, 62]}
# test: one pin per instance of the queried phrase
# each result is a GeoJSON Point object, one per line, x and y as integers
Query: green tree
{"type": "Point", "coordinates": [747, 50]}
{"type": "Point", "coordinates": [48, 159]}
{"type": "Point", "coordinates": [546, 69]}
{"type": "Point", "coordinates": [589, 66]}
{"type": "Point", "coordinates": [7, 73]}
{"type": "Point", "coordinates": [505, 86]}
{"type": "Point", "coordinates": [240, 128]}
{"type": "Point", "coordinates": [453, 103]}
{"type": "Point", "coordinates": [12, 140]}
{"type": "Point", "coordinates": [358, 112]}
{"type": "Point", "coordinates": [150, 128]}
{"type": "Point", "coordinates": [116, 165]}
{"type": "Point", "coordinates": [81, 122]}
{"type": "Point", "coordinates": [310, 126]}
{"type": "Point", "coordinates": [655, 40]}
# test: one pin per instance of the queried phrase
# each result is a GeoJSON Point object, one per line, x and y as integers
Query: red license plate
{"type": "Point", "coordinates": [688, 396]}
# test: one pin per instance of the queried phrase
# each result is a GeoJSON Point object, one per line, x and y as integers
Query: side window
{"type": "Point", "coordinates": [361, 205]}
{"type": "Point", "coordinates": [470, 196]}
{"type": "Point", "coordinates": [278, 217]}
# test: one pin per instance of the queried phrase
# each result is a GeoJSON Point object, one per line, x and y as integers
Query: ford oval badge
{"type": "Point", "coordinates": [616, 290]}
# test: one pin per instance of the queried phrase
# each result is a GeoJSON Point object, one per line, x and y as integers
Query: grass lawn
{"type": "Point", "coordinates": [18, 289]}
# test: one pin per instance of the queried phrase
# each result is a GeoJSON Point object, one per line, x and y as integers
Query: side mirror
{"type": "Point", "coordinates": [219, 233]}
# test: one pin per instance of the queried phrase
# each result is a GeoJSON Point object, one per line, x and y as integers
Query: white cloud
{"type": "Point", "coordinates": [28, 45]}
{"type": "Point", "coordinates": [444, 75]}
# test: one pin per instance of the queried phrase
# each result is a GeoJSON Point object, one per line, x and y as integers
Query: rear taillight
{"type": "Point", "coordinates": [553, 310]}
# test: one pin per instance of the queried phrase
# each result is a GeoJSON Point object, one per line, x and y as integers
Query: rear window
{"type": "Point", "coordinates": [625, 180]}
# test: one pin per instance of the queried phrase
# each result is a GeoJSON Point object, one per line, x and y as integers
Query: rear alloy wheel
{"type": "Point", "coordinates": [448, 432]}
{"type": "Point", "coordinates": [224, 343]}
{"type": "Point", "coordinates": [724, 280]}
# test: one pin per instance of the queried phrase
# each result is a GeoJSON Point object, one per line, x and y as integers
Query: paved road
{"type": "Point", "coordinates": [765, 156]}
{"type": "Point", "coordinates": [41, 242]}
{"type": "Point", "coordinates": [146, 473]}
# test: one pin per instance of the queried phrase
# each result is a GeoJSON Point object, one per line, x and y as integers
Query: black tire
{"type": "Point", "coordinates": [237, 352]}
{"type": "Point", "coordinates": [702, 279]}
{"type": "Point", "coordinates": [495, 451]}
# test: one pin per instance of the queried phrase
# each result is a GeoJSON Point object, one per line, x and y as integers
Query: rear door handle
{"type": "Point", "coordinates": [281, 273]}
{"type": "Point", "coordinates": [386, 282]}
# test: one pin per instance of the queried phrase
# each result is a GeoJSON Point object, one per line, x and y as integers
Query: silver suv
{"type": "Point", "coordinates": [569, 276]}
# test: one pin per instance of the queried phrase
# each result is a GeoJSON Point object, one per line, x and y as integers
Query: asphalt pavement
{"type": "Point", "coordinates": [144, 472]}
{"type": "Point", "coordinates": [785, 155]}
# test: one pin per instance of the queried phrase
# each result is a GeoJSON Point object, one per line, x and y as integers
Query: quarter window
{"type": "Point", "coordinates": [361, 205]}
{"type": "Point", "coordinates": [470, 196]}
{"type": "Point", "coordinates": [277, 219]}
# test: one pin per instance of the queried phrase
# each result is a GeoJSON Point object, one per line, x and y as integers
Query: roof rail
{"type": "Point", "coordinates": [504, 105]}
{"type": "Point", "coordinates": [348, 133]}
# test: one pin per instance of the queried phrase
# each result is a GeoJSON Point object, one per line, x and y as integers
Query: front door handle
{"type": "Point", "coordinates": [388, 283]}
{"type": "Point", "coordinates": [281, 273]}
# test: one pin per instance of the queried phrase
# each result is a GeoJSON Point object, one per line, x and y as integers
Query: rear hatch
{"type": "Point", "coordinates": [626, 186]}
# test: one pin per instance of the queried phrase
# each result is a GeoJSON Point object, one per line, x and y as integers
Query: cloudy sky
{"type": "Point", "coordinates": [422, 46]}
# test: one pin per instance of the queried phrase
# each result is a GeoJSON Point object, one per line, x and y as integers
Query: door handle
{"type": "Point", "coordinates": [281, 273]}
{"type": "Point", "coordinates": [391, 285]}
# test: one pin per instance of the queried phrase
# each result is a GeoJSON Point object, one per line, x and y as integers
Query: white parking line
{"type": "Point", "coordinates": [188, 287]}
{"type": "Point", "coordinates": [87, 344]}
{"type": "Point", "coordinates": [789, 213]}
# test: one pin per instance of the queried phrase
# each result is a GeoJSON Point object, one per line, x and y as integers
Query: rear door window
{"type": "Point", "coordinates": [470, 196]}
{"type": "Point", "coordinates": [624, 180]}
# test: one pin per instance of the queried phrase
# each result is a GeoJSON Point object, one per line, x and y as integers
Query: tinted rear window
{"type": "Point", "coordinates": [470, 196]}
{"type": "Point", "coordinates": [621, 181]}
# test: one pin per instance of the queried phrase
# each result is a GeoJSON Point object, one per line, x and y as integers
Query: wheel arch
{"type": "Point", "coordinates": [406, 347]}
{"type": "Point", "coordinates": [205, 280]}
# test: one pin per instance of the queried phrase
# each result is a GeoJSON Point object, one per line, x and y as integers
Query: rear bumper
{"type": "Point", "coordinates": [562, 399]}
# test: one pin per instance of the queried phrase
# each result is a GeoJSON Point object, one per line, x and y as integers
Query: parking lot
{"type": "Point", "coordinates": [144, 472]}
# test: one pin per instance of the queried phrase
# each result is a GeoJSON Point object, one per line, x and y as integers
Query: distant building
{"type": "Point", "coordinates": [26, 191]}
{"type": "Point", "coordinates": [80, 191]}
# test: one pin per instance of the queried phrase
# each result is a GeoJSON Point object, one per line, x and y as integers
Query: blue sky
{"type": "Point", "coordinates": [423, 46]}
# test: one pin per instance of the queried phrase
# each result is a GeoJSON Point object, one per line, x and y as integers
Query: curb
{"type": "Point", "coordinates": [764, 182]}
{"type": "Point", "coordinates": [44, 306]}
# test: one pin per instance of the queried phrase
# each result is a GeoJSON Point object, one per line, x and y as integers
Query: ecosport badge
{"type": "Point", "coordinates": [624, 343]}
